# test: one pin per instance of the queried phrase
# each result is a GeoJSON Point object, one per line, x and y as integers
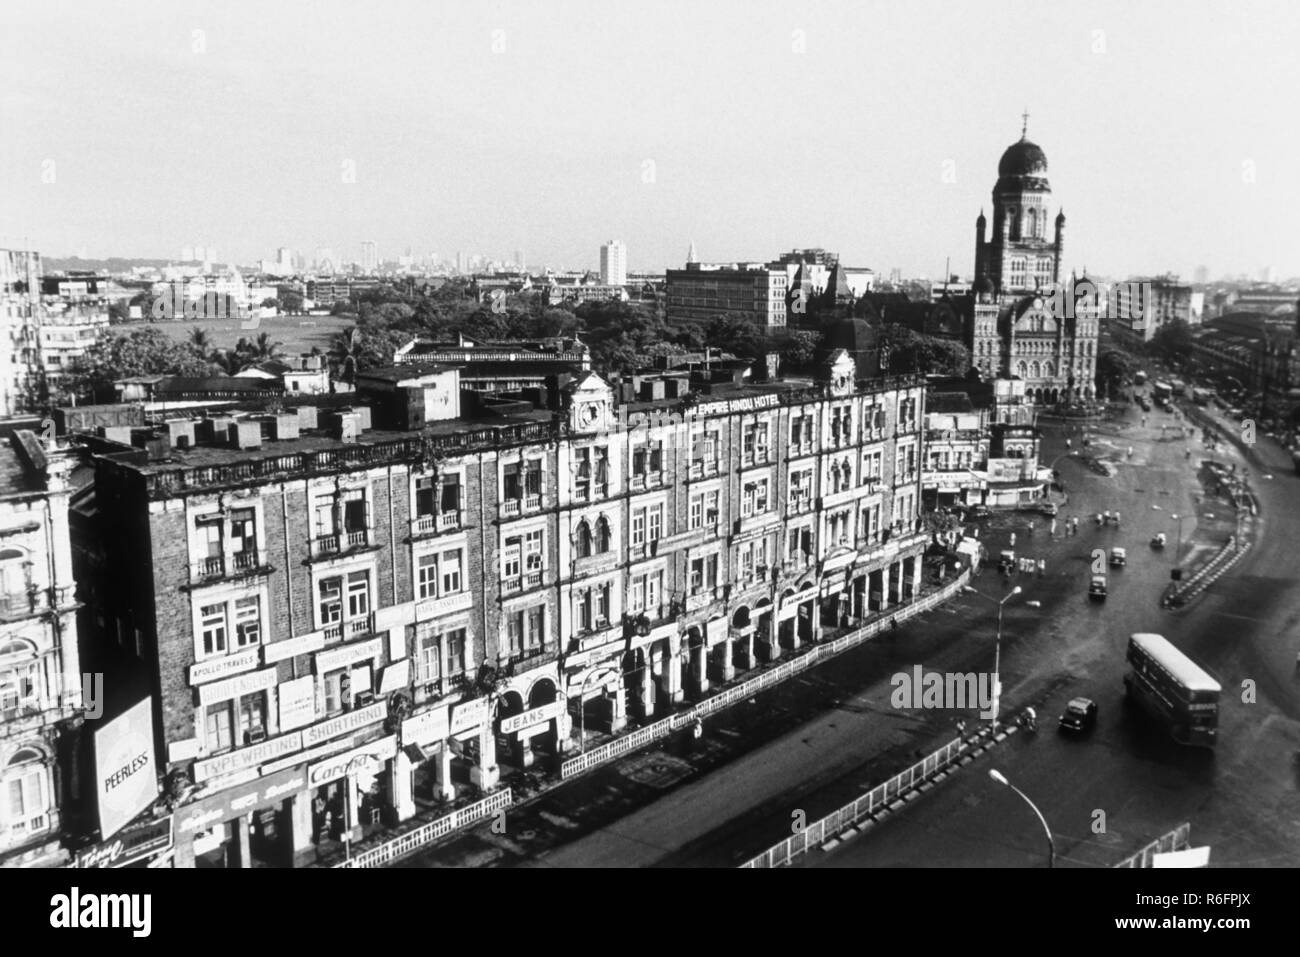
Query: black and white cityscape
{"type": "Point", "coordinates": [572, 435]}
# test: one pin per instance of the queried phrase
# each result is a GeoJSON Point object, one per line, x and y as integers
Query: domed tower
{"type": "Point", "coordinates": [1020, 257]}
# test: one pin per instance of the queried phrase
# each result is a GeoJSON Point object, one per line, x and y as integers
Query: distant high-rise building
{"type": "Point", "coordinates": [1202, 275]}
{"type": "Point", "coordinates": [461, 263]}
{"type": "Point", "coordinates": [210, 255]}
{"type": "Point", "coordinates": [324, 259]}
{"type": "Point", "coordinates": [895, 275]}
{"type": "Point", "coordinates": [1267, 274]}
{"type": "Point", "coordinates": [519, 259]}
{"type": "Point", "coordinates": [200, 254]}
{"type": "Point", "coordinates": [187, 254]}
{"type": "Point", "coordinates": [369, 256]}
{"type": "Point", "coordinates": [284, 258]}
{"type": "Point", "coordinates": [613, 263]}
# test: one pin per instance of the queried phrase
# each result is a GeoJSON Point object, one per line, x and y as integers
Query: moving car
{"type": "Point", "coordinates": [1097, 587]}
{"type": "Point", "coordinates": [1080, 715]}
{"type": "Point", "coordinates": [974, 513]}
{"type": "Point", "coordinates": [1049, 509]}
{"type": "Point", "coordinates": [1118, 557]}
{"type": "Point", "coordinates": [1007, 561]}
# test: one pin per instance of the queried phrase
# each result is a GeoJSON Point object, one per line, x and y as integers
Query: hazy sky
{"type": "Point", "coordinates": [872, 129]}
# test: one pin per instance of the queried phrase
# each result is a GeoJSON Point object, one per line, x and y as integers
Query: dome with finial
{"type": "Point", "coordinates": [1023, 166]}
{"type": "Point", "coordinates": [984, 286]}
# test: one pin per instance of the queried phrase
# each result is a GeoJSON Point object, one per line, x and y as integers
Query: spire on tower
{"type": "Point", "coordinates": [690, 254]}
{"type": "Point", "coordinates": [1024, 130]}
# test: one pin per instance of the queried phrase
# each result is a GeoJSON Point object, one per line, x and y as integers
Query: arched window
{"type": "Point", "coordinates": [1034, 371]}
{"type": "Point", "coordinates": [602, 535]}
{"type": "Point", "coordinates": [584, 539]}
{"type": "Point", "coordinates": [1022, 370]}
{"type": "Point", "coordinates": [25, 808]}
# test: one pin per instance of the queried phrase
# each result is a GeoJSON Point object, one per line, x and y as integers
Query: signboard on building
{"type": "Point", "coordinates": [248, 757]}
{"type": "Point", "coordinates": [469, 714]}
{"type": "Point", "coordinates": [203, 814]}
{"type": "Point", "coordinates": [426, 727]}
{"type": "Point", "coordinates": [238, 686]}
{"type": "Point", "coordinates": [297, 702]}
{"type": "Point", "coordinates": [359, 759]}
{"type": "Point", "coordinates": [537, 716]}
{"type": "Point", "coordinates": [328, 661]}
{"type": "Point", "coordinates": [395, 677]}
{"type": "Point", "coordinates": [126, 779]}
{"type": "Point", "coordinates": [351, 721]}
{"type": "Point", "coordinates": [224, 666]}
{"type": "Point", "coordinates": [302, 645]}
{"type": "Point", "coordinates": [130, 846]}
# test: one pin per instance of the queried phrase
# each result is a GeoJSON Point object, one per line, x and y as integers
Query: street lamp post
{"type": "Point", "coordinates": [999, 777]}
{"type": "Point", "coordinates": [997, 648]}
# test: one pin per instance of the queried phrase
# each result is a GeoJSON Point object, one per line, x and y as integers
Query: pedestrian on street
{"type": "Point", "coordinates": [1053, 532]}
{"type": "Point", "coordinates": [1013, 539]}
{"type": "Point", "coordinates": [1042, 568]}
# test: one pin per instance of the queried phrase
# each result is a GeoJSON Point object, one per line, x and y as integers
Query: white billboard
{"type": "Point", "coordinates": [126, 779]}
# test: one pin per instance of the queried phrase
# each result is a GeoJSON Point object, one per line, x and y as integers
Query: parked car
{"type": "Point", "coordinates": [1118, 557]}
{"type": "Point", "coordinates": [1097, 587]}
{"type": "Point", "coordinates": [974, 513]}
{"type": "Point", "coordinates": [1049, 509]}
{"type": "Point", "coordinates": [1007, 561]}
{"type": "Point", "coordinates": [1080, 715]}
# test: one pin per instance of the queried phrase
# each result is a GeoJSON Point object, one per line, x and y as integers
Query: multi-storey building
{"type": "Point", "coordinates": [355, 619]}
{"type": "Point", "coordinates": [1022, 318]}
{"type": "Point", "coordinates": [700, 293]}
{"type": "Point", "coordinates": [41, 703]}
{"type": "Point", "coordinates": [1141, 307]}
{"type": "Point", "coordinates": [20, 311]}
{"type": "Point", "coordinates": [613, 263]}
{"type": "Point", "coordinates": [956, 450]}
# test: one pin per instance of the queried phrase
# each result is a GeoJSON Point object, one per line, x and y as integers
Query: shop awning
{"type": "Point", "coordinates": [415, 753]}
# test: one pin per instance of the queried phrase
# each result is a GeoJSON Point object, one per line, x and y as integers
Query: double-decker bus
{"type": "Point", "coordinates": [1139, 378]}
{"type": "Point", "coordinates": [1173, 689]}
{"type": "Point", "coordinates": [1161, 391]}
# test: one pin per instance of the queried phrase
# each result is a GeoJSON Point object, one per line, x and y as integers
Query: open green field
{"type": "Point", "coordinates": [295, 333]}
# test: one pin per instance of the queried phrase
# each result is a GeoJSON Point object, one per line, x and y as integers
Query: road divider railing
{"type": "Point", "coordinates": [817, 833]}
{"type": "Point", "coordinates": [415, 839]}
{"type": "Point", "coordinates": [664, 727]}
{"type": "Point", "coordinates": [1179, 839]}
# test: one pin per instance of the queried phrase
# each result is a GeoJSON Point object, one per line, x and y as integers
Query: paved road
{"type": "Point", "coordinates": [1242, 801]}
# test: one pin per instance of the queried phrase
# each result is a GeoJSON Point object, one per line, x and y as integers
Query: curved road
{"type": "Point", "coordinates": [1124, 784]}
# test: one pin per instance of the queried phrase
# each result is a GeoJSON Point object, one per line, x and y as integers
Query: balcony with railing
{"type": "Point", "coordinates": [325, 545]}
{"type": "Point", "coordinates": [524, 582]}
{"type": "Point", "coordinates": [699, 468]}
{"type": "Point", "coordinates": [437, 522]}
{"type": "Point", "coordinates": [216, 568]}
{"type": "Point", "coordinates": [350, 628]}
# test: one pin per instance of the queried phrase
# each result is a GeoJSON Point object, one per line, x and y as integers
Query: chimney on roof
{"type": "Point", "coordinates": [246, 434]}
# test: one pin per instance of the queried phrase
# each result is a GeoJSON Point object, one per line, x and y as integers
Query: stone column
{"type": "Point", "coordinates": [301, 849]}
{"type": "Point", "coordinates": [442, 773]}
{"type": "Point", "coordinates": [618, 716]}
{"type": "Point", "coordinates": [486, 774]}
{"type": "Point", "coordinates": [648, 689]}
{"type": "Point", "coordinates": [524, 751]}
{"type": "Point", "coordinates": [918, 574]}
{"type": "Point", "coordinates": [728, 657]}
{"type": "Point", "coordinates": [673, 670]}
{"type": "Point", "coordinates": [700, 659]}
{"type": "Point", "coordinates": [795, 639]}
{"type": "Point", "coordinates": [242, 855]}
{"type": "Point", "coordinates": [401, 786]}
